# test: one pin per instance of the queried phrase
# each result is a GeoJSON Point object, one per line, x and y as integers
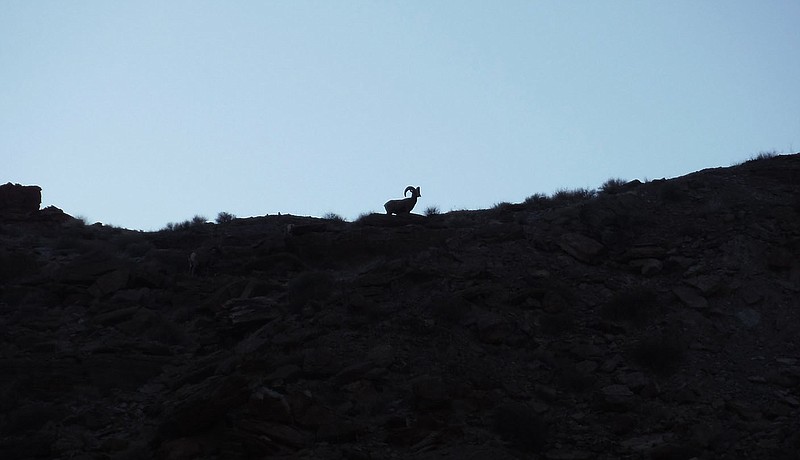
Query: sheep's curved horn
{"type": "Point", "coordinates": [409, 188]}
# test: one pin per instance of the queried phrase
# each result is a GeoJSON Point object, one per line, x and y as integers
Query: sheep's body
{"type": "Point", "coordinates": [405, 205]}
{"type": "Point", "coordinates": [202, 260]}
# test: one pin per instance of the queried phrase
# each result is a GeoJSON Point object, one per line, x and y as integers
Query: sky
{"type": "Point", "coordinates": [141, 113]}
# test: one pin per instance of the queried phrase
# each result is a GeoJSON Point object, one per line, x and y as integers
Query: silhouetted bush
{"type": "Point", "coordinates": [199, 220]}
{"type": "Point", "coordinates": [196, 221]}
{"type": "Point", "coordinates": [334, 216]}
{"type": "Point", "coordinates": [612, 186]}
{"type": "Point", "coordinates": [538, 200]}
{"type": "Point", "coordinates": [225, 217]}
{"type": "Point", "coordinates": [564, 196]}
{"type": "Point", "coordinates": [432, 211]}
{"type": "Point", "coordinates": [519, 425]}
{"type": "Point", "coordinates": [362, 216]}
{"type": "Point", "coordinates": [635, 305]}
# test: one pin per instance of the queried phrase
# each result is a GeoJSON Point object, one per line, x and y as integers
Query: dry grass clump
{"type": "Point", "coordinates": [763, 155]}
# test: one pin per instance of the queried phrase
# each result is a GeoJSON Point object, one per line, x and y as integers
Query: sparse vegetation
{"type": "Point", "coordinates": [480, 332]}
{"type": "Point", "coordinates": [564, 196]}
{"type": "Point", "coordinates": [763, 155]}
{"type": "Point", "coordinates": [225, 217]}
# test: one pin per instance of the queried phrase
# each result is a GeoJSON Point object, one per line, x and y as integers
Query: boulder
{"type": "Point", "coordinates": [690, 297]}
{"type": "Point", "coordinates": [581, 247]}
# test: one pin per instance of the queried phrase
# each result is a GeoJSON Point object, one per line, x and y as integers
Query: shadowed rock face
{"type": "Point", "coordinates": [19, 199]}
{"type": "Point", "coordinates": [656, 322]}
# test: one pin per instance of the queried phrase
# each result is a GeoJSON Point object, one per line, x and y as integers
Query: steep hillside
{"type": "Point", "coordinates": [656, 320]}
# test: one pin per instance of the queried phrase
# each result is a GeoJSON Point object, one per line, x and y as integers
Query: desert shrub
{"type": "Point", "coordinates": [225, 217]}
{"type": "Point", "coordinates": [538, 199]}
{"type": "Point", "coordinates": [634, 305]}
{"type": "Point", "coordinates": [660, 352]}
{"type": "Point", "coordinates": [364, 215]}
{"type": "Point", "coordinates": [334, 216]}
{"type": "Point", "coordinates": [199, 220]}
{"type": "Point", "coordinates": [196, 221]}
{"type": "Point", "coordinates": [432, 211]}
{"type": "Point", "coordinates": [564, 196]}
{"type": "Point", "coordinates": [313, 286]}
{"type": "Point", "coordinates": [177, 226]}
{"type": "Point", "coordinates": [612, 186]}
{"type": "Point", "coordinates": [519, 425]}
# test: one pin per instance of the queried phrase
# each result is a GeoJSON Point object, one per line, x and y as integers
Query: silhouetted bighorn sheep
{"type": "Point", "coordinates": [202, 260]}
{"type": "Point", "coordinates": [405, 205]}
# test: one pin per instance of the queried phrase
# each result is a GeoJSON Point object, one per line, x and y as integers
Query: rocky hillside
{"type": "Point", "coordinates": [656, 320]}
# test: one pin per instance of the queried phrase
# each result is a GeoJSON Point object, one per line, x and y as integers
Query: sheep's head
{"type": "Point", "coordinates": [415, 193]}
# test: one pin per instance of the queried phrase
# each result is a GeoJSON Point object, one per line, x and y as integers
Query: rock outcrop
{"type": "Point", "coordinates": [19, 200]}
{"type": "Point", "coordinates": [658, 322]}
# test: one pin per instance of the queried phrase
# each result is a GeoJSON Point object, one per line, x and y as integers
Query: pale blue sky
{"type": "Point", "coordinates": [139, 113]}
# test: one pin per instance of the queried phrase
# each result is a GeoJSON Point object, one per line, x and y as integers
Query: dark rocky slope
{"type": "Point", "coordinates": [657, 320]}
